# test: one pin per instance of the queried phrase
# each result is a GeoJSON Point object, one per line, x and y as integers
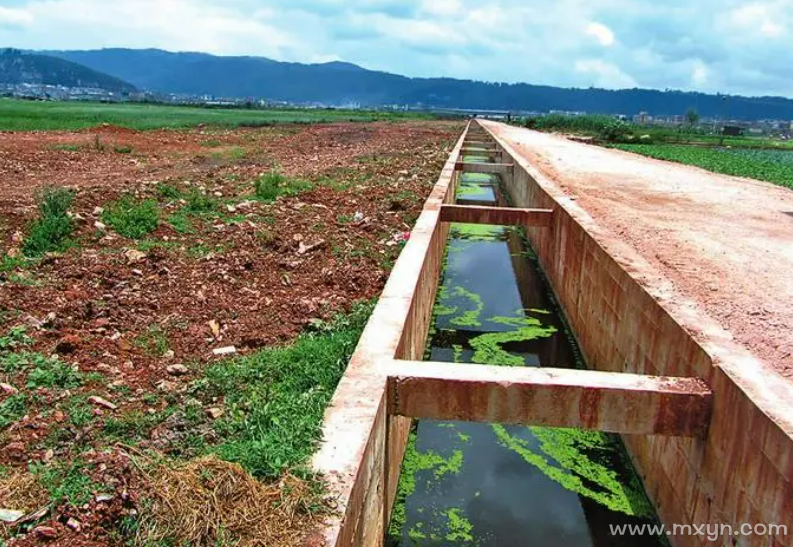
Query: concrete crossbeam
{"type": "Point", "coordinates": [499, 216]}
{"type": "Point", "coordinates": [603, 401]}
{"type": "Point", "coordinates": [471, 143]}
{"type": "Point", "coordinates": [487, 168]}
{"type": "Point", "coordinates": [485, 150]}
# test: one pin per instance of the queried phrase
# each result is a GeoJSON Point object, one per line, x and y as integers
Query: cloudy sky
{"type": "Point", "coordinates": [706, 45]}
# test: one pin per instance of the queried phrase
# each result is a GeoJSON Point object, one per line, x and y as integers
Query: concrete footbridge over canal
{"type": "Point", "coordinates": [529, 377]}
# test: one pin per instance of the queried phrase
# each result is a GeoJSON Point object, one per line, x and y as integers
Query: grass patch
{"type": "Point", "coordinates": [154, 341]}
{"type": "Point", "coordinates": [12, 408]}
{"type": "Point", "coordinates": [131, 428]}
{"type": "Point", "coordinates": [168, 191]}
{"type": "Point", "coordinates": [181, 222]}
{"type": "Point", "coordinates": [78, 411]}
{"type": "Point", "coordinates": [53, 373]}
{"type": "Point", "coordinates": [122, 149]}
{"type": "Point", "coordinates": [131, 217]}
{"type": "Point", "coordinates": [52, 230]}
{"type": "Point", "coordinates": [774, 166]}
{"type": "Point", "coordinates": [276, 397]}
{"type": "Point", "coordinates": [65, 482]}
{"type": "Point", "coordinates": [199, 203]}
{"type": "Point", "coordinates": [272, 185]}
{"type": "Point", "coordinates": [66, 147]}
{"type": "Point", "coordinates": [19, 115]}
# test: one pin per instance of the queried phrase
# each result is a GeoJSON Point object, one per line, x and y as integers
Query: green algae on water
{"type": "Point", "coordinates": [460, 528]}
{"type": "Point", "coordinates": [568, 460]}
{"type": "Point", "coordinates": [473, 190]}
{"type": "Point", "coordinates": [414, 462]}
{"type": "Point", "coordinates": [476, 232]}
{"type": "Point", "coordinates": [469, 317]}
{"type": "Point", "coordinates": [488, 348]}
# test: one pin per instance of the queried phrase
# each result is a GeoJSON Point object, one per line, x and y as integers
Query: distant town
{"type": "Point", "coordinates": [782, 129]}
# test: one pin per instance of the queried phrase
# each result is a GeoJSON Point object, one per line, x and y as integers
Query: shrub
{"type": "Point", "coordinates": [273, 184]}
{"type": "Point", "coordinates": [132, 218]}
{"type": "Point", "coordinates": [168, 191]}
{"type": "Point", "coordinates": [198, 202]}
{"type": "Point", "coordinates": [614, 131]}
{"type": "Point", "coordinates": [268, 186]}
{"type": "Point", "coordinates": [53, 229]}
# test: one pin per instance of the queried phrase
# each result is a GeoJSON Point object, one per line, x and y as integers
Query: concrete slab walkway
{"type": "Point", "coordinates": [724, 242]}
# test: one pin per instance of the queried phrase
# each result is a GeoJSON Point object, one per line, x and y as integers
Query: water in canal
{"type": "Point", "coordinates": [487, 485]}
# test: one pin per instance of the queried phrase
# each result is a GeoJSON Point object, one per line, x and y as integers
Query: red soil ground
{"type": "Point", "coordinates": [249, 275]}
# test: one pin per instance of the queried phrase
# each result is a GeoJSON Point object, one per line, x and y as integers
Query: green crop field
{"type": "Point", "coordinates": [16, 115]}
{"type": "Point", "coordinates": [769, 165]}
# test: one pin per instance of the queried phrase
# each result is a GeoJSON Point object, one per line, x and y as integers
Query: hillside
{"type": "Point", "coordinates": [18, 67]}
{"type": "Point", "coordinates": [340, 83]}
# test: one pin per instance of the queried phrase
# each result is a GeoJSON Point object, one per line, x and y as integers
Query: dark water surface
{"type": "Point", "coordinates": [469, 484]}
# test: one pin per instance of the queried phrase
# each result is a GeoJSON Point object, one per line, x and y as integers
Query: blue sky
{"type": "Point", "coordinates": [706, 45]}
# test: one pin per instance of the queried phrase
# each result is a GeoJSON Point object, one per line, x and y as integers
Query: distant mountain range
{"type": "Point", "coordinates": [343, 83]}
{"type": "Point", "coordinates": [17, 67]}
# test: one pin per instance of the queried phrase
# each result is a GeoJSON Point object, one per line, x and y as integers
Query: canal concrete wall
{"type": "Point", "coordinates": [361, 454]}
{"type": "Point", "coordinates": [625, 320]}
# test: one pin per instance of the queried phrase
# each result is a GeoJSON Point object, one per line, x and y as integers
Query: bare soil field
{"type": "Point", "coordinates": [103, 345]}
{"type": "Point", "coordinates": [723, 242]}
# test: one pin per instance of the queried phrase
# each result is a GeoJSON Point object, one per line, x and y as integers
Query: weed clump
{"type": "Point", "coordinates": [168, 191]}
{"type": "Point", "coordinates": [132, 218]}
{"type": "Point", "coordinates": [52, 231]}
{"type": "Point", "coordinates": [268, 186]}
{"type": "Point", "coordinates": [271, 185]}
{"type": "Point", "coordinates": [276, 397]}
{"type": "Point", "coordinates": [198, 202]}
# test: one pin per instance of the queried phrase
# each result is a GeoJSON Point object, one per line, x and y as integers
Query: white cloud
{"type": "Point", "coordinates": [444, 8]}
{"type": "Point", "coordinates": [601, 33]}
{"type": "Point", "coordinates": [700, 75]}
{"type": "Point", "coordinates": [730, 46]}
{"type": "Point", "coordinates": [184, 25]}
{"type": "Point", "coordinates": [606, 75]}
{"type": "Point", "coordinates": [10, 17]}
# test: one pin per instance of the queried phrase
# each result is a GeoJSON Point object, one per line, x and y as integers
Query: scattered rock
{"type": "Point", "coordinates": [231, 350]}
{"type": "Point", "coordinates": [102, 498]}
{"type": "Point", "coordinates": [68, 344]}
{"type": "Point", "coordinates": [74, 525]}
{"type": "Point", "coordinates": [214, 326]}
{"type": "Point", "coordinates": [33, 516]}
{"type": "Point", "coordinates": [8, 389]}
{"type": "Point", "coordinates": [168, 355]}
{"type": "Point", "coordinates": [166, 386]}
{"type": "Point", "coordinates": [214, 413]}
{"type": "Point", "coordinates": [137, 273]}
{"type": "Point", "coordinates": [178, 370]}
{"type": "Point", "coordinates": [46, 532]}
{"type": "Point", "coordinates": [304, 249]}
{"type": "Point", "coordinates": [100, 226]}
{"type": "Point", "coordinates": [15, 451]}
{"type": "Point", "coordinates": [134, 256]}
{"type": "Point", "coordinates": [10, 516]}
{"type": "Point", "coordinates": [98, 211]}
{"type": "Point", "coordinates": [104, 403]}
